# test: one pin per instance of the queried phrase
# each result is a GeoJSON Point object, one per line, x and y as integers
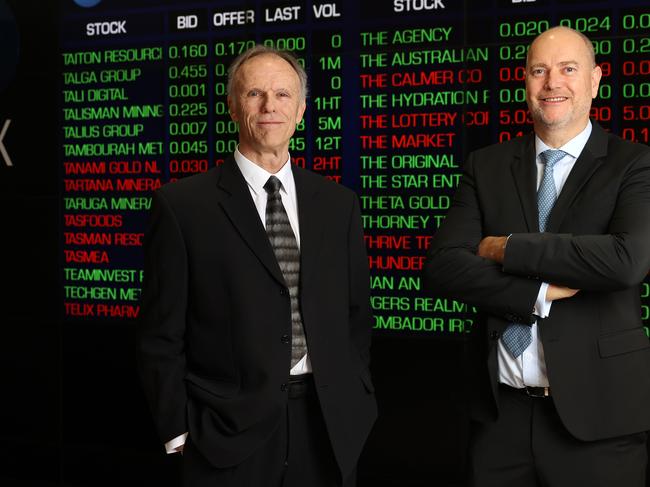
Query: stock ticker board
{"type": "Point", "coordinates": [400, 92]}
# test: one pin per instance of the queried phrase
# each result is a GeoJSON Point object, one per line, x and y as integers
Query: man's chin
{"type": "Point", "coordinates": [549, 121]}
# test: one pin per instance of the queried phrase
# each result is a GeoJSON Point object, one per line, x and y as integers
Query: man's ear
{"type": "Point", "coordinates": [301, 111]}
{"type": "Point", "coordinates": [232, 110]}
{"type": "Point", "coordinates": [596, 75]}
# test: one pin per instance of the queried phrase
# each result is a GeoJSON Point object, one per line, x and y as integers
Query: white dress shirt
{"type": "Point", "coordinates": [529, 369]}
{"type": "Point", "coordinates": [256, 178]}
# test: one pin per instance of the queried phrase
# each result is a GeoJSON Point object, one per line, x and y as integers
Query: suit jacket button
{"type": "Point", "coordinates": [283, 292]}
{"type": "Point", "coordinates": [494, 334]}
{"type": "Point", "coordinates": [285, 339]}
{"type": "Point", "coordinates": [284, 387]}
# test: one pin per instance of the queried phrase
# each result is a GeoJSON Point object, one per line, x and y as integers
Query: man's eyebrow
{"type": "Point", "coordinates": [561, 63]}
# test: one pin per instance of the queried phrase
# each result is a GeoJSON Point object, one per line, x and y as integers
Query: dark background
{"type": "Point", "coordinates": [71, 409]}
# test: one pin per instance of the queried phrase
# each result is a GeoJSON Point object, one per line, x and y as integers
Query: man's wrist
{"type": "Point", "coordinates": [176, 444]}
{"type": "Point", "coordinates": [503, 249]}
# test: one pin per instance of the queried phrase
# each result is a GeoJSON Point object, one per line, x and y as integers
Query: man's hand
{"type": "Point", "coordinates": [493, 248]}
{"type": "Point", "coordinates": [555, 292]}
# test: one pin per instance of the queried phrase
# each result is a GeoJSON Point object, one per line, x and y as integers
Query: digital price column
{"type": "Point", "coordinates": [633, 48]}
{"type": "Point", "coordinates": [326, 106]}
{"type": "Point", "coordinates": [225, 49]}
{"type": "Point", "coordinates": [634, 87]}
{"type": "Point", "coordinates": [112, 150]}
{"type": "Point", "coordinates": [188, 94]}
{"type": "Point", "coordinates": [415, 82]}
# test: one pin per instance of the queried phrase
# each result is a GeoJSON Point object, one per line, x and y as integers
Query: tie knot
{"type": "Point", "coordinates": [273, 185]}
{"type": "Point", "coordinates": [552, 156]}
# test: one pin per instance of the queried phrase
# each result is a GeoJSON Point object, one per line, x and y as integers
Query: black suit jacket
{"type": "Point", "coordinates": [213, 351]}
{"type": "Point", "coordinates": [597, 240]}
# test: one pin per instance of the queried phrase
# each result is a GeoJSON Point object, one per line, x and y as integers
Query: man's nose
{"type": "Point", "coordinates": [552, 79]}
{"type": "Point", "coordinates": [269, 103]}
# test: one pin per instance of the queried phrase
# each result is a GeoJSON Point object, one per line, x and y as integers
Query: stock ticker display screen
{"type": "Point", "coordinates": [400, 92]}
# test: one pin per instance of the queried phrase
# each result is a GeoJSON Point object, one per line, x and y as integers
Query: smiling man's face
{"type": "Point", "coordinates": [561, 81]}
{"type": "Point", "coordinates": [268, 104]}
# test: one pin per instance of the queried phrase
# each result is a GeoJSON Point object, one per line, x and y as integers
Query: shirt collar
{"type": "Point", "coordinates": [256, 176]}
{"type": "Point", "coordinates": [573, 147]}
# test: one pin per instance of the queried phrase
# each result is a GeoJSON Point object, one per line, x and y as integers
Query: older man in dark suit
{"type": "Point", "coordinates": [549, 236]}
{"type": "Point", "coordinates": [255, 331]}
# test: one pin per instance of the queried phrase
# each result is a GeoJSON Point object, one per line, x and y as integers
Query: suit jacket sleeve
{"type": "Point", "coordinates": [161, 328]}
{"type": "Point", "coordinates": [618, 259]}
{"type": "Point", "coordinates": [360, 315]}
{"type": "Point", "coordinates": [454, 270]}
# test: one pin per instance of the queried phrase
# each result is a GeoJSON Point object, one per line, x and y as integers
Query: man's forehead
{"type": "Point", "coordinates": [264, 61]}
{"type": "Point", "coordinates": [263, 68]}
{"type": "Point", "coordinates": [559, 41]}
{"type": "Point", "coordinates": [557, 51]}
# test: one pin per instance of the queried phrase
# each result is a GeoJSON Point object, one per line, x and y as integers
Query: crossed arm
{"type": "Point", "coordinates": [503, 275]}
{"type": "Point", "coordinates": [494, 248]}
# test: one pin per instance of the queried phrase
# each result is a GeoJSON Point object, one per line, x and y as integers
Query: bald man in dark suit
{"type": "Point", "coordinates": [549, 237]}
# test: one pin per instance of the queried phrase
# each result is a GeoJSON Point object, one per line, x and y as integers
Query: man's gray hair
{"type": "Point", "coordinates": [260, 50]}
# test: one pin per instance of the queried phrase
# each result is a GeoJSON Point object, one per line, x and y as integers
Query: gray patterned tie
{"type": "Point", "coordinates": [287, 254]}
{"type": "Point", "coordinates": [516, 337]}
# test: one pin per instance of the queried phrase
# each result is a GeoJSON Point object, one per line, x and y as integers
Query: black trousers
{"type": "Point", "coordinates": [528, 446]}
{"type": "Point", "coordinates": [297, 455]}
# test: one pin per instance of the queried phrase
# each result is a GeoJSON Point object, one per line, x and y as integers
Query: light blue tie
{"type": "Point", "coordinates": [516, 337]}
{"type": "Point", "coordinates": [547, 194]}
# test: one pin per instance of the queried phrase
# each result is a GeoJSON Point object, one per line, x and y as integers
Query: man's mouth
{"type": "Point", "coordinates": [555, 99]}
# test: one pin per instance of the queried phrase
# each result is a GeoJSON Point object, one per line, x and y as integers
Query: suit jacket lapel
{"type": "Point", "coordinates": [590, 159]}
{"type": "Point", "coordinates": [310, 218]}
{"type": "Point", "coordinates": [242, 213]}
{"type": "Point", "coordinates": [524, 171]}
